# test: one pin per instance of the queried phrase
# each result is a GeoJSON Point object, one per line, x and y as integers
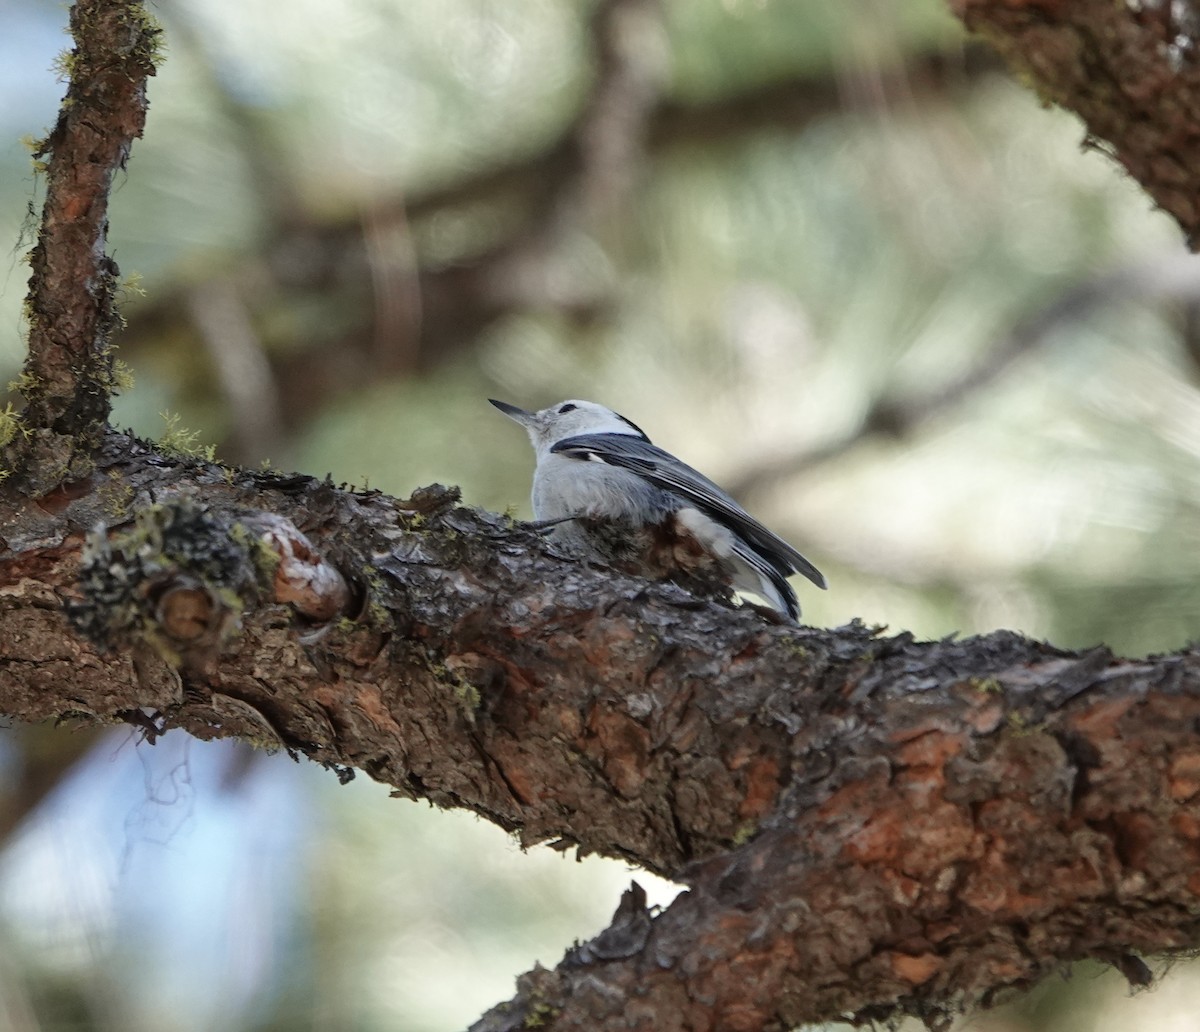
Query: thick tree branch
{"type": "Point", "coordinates": [866, 823]}
{"type": "Point", "coordinates": [70, 307]}
{"type": "Point", "coordinates": [1131, 71]}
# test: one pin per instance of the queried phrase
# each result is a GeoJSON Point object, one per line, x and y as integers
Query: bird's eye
{"type": "Point", "coordinates": [564, 409]}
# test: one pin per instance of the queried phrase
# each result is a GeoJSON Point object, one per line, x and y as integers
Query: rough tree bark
{"type": "Point", "coordinates": [71, 308]}
{"type": "Point", "coordinates": [867, 825]}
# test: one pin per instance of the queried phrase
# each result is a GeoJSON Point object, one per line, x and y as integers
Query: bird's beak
{"type": "Point", "coordinates": [514, 413]}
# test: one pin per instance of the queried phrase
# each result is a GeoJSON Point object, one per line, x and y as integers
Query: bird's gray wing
{"type": "Point", "coordinates": [664, 470]}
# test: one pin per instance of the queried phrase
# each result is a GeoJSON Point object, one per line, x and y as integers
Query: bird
{"type": "Point", "coordinates": [595, 468]}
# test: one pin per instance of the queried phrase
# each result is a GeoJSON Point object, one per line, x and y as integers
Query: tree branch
{"type": "Point", "coordinates": [868, 825]}
{"type": "Point", "coordinates": [70, 307]}
{"type": "Point", "coordinates": [1131, 71]}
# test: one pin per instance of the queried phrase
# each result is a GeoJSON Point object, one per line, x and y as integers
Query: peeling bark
{"type": "Point", "coordinates": [868, 825]}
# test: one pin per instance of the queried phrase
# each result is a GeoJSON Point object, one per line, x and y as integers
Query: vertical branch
{"type": "Point", "coordinates": [632, 54]}
{"type": "Point", "coordinates": [70, 306]}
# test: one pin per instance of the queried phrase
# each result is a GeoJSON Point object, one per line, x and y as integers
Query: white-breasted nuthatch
{"type": "Point", "coordinates": [593, 464]}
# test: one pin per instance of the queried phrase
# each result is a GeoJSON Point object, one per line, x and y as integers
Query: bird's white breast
{"type": "Point", "coordinates": [571, 487]}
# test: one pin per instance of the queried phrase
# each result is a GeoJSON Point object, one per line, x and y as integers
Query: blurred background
{"type": "Point", "coordinates": [831, 254]}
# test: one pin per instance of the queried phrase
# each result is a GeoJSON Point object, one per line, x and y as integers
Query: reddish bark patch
{"type": "Point", "coordinates": [915, 970]}
{"type": "Point", "coordinates": [369, 701]}
{"type": "Point", "coordinates": [625, 749]}
{"type": "Point", "coordinates": [1185, 776]}
{"type": "Point", "coordinates": [762, 786]}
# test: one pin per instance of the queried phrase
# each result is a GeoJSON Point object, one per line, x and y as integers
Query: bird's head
{"type": "Point", "coordinates": [568, 419]}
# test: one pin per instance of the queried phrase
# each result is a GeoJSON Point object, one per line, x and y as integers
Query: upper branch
{"type": "Point", "coordinates": [1131, 71]}
{"type": "Point", "coordinates": [70, 307]}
